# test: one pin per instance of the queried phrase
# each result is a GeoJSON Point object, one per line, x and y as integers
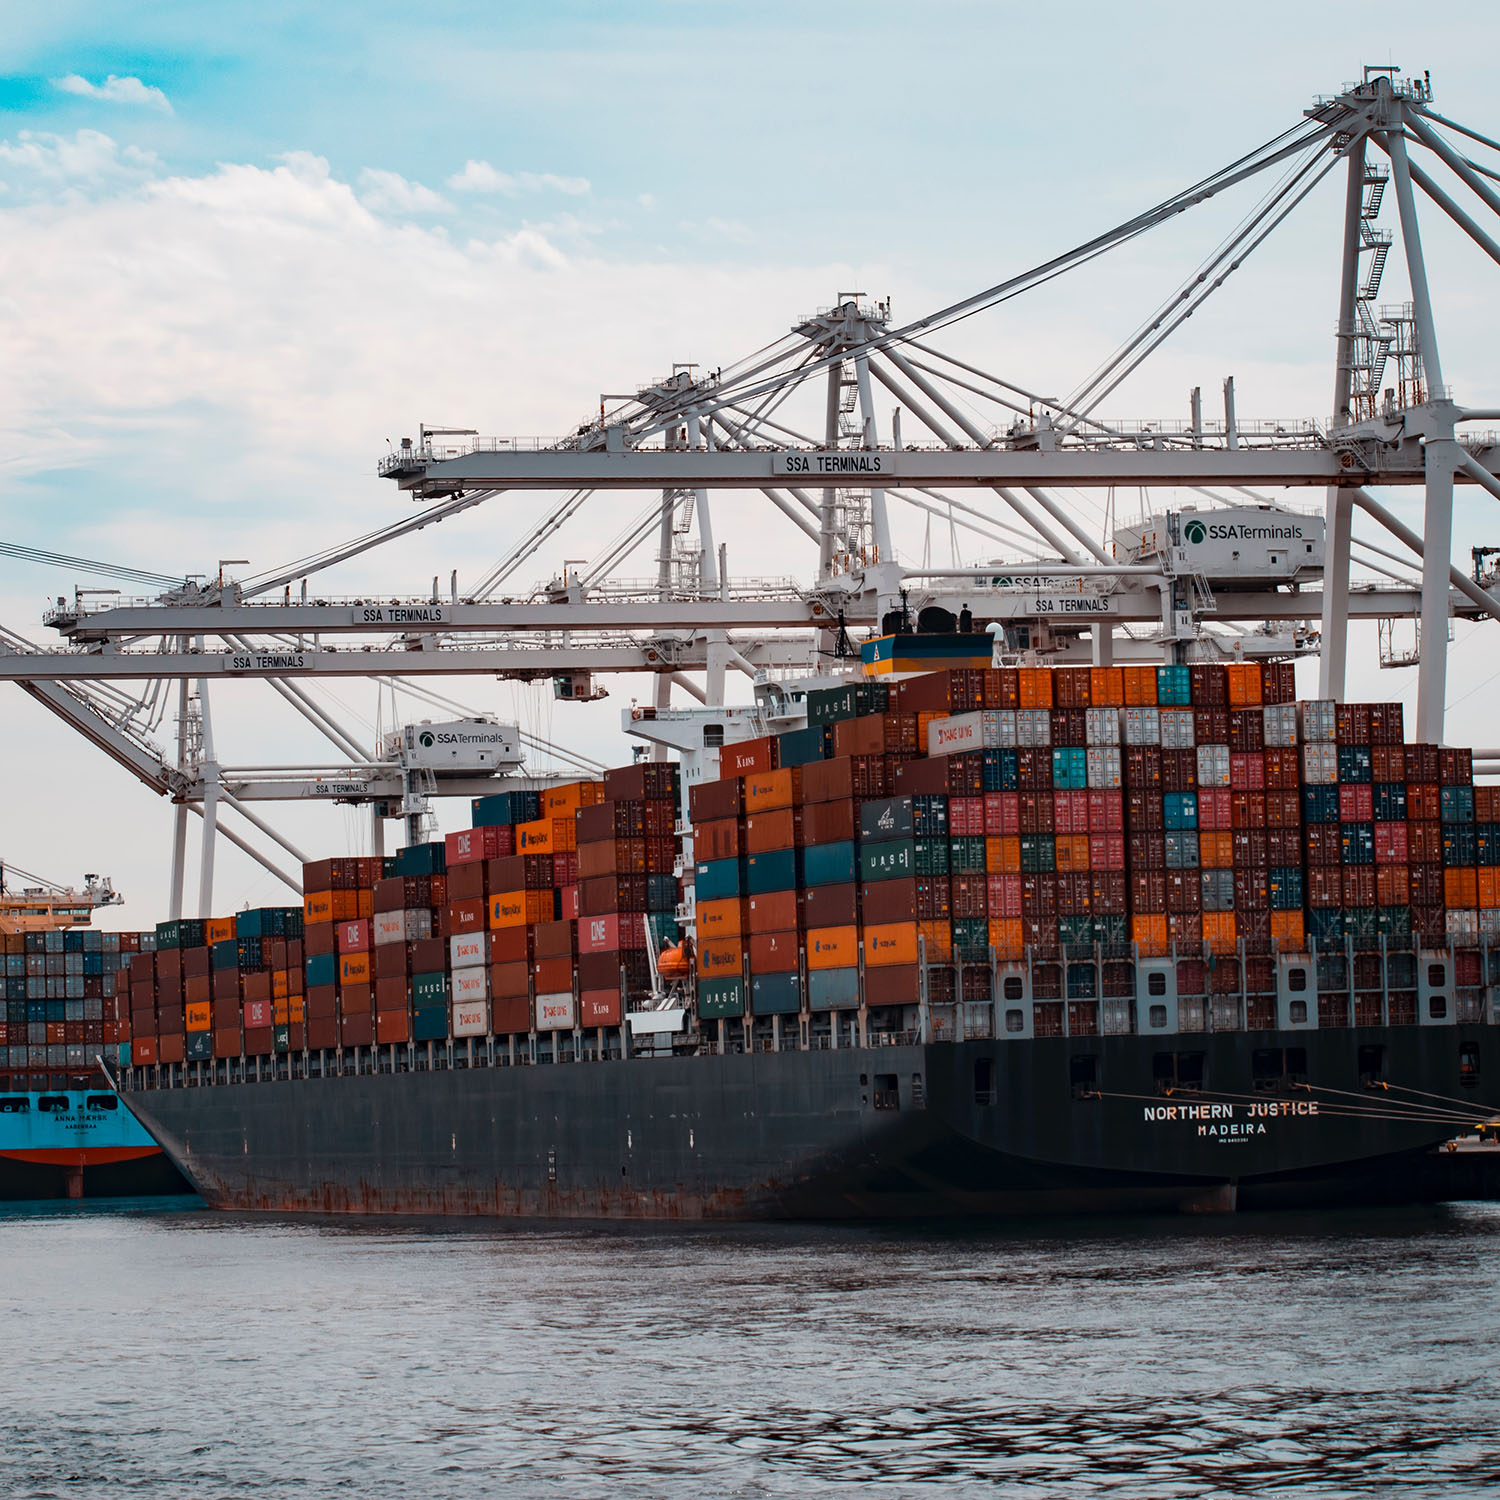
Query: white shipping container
{"type": "Point", "coordinates": [468, 949]}
{"type": "Point", "coordinates": [1318, 720]}
{"type": "Point", "coordinates": [1280, 726]}
{"type": "Point", "coordinates": [1101, 726]}
{"type": "Point", "coordinates": [1103, 762]}
{"type": "Point", "coordinates": [956, 734]}
{"type": "Point", "coordinates": [1142, 726]}
{"type": "Point", "coordinates": [1176, 728]}
{"type": "Point", "coordinates": [1213, 765]}
{"type": "Point", "coordinates": [1463, 926]}
{"type": "Point", "coordinates": [471, 1018]}
{"type": "Point", "coordinates": [1034, 727]}
{"type": "Point", "coordinates": [1320, 765]}
{"type": "Point", "coordinates": [470, 985]}
{"type": "Point", "coordinates": [388, 927]}
{"type": "Point", "coordinates": [418, 926]}
{"type": "Point", "coordinates": [554, 1012]}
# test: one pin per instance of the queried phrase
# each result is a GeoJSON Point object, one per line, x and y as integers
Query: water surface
{"type": "Point", "coordinates": [175, 1353]}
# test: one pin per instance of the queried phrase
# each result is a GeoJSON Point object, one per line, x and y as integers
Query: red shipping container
{"type": "Point", "coordinates": [552, 976]}
{"type": "Point", "coordinates": [468, 916]}
{"type": "Point", "coordinates": [1216, 809]}
{"type": "Point", "coordinates": [391, 994]}
{"type": "Point", "coordinates": [1039, 896]}
{"type": "Point", "coordinates": [353, 937]}
{"type": "Point", "coordinates": [1325, 887]}
{"type": "Point", "coordinates": [1323, 843]}
{"type": "Point", "coordinates": [510, 1014]}
{"type": "Point", "coordinates": [1392, 885]}
{"type": "Point", "coordinates": [356, 1029]}
{"type": "Point", "coordinates": [660, 819]}
{"type": "Point", "coordinates": [612, 932]}
{"type": "Point", "coordinates": [1356, 802]}
{"type": "Point", "coordinates": [392, 1026]}
{"type": "Point", "coordinates": [1003, 895]}
{"type": "Point", "coordinates": [886, 901]}
{"type": "Point", "coordinates": [1002, 814]}
{"type": "Point", "coordinates": [470, 844]}
{"type": "Point", "coordinates": [1247, 772]}
{"type": "Point", "coordinates": [748, 758]}
{"type": "Point", "coordinates": [773, 911]}
{"type": "Point", "coordinates": [934, 900]}
{"type": "Point", "coordinates": [603, 821]}
{"type": "Point", "coordinates": [1390, 849]}
{"type": "Point", "coordinates": [969, 895]}
{"type": "Point", "coordinates": [322, 1034]}
{"type": "Point", "coordinates": [599, 1008]}
{"type": "Point", "coordinates": [468, 882]}
{"type": "Point", "coordinates": [1424, 800]}
{"type": "Point", "coordinates": [966, 816]}
{"type": "Point", "coordinates": [831, 906]}
{"type": "Point", "coordinates": [1146, 851]}
{"type": "Point", "coordinates": [1106, 812]}
{"type": "Point", "coordinates": [1251, 888]}
{"type": "Point", "coordinates": [1107, 851]}
{"type": "Point", "coordinates": [1070, 813]}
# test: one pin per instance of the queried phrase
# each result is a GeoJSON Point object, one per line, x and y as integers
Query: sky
{"type": "Point", "coordinates": [244, 246]}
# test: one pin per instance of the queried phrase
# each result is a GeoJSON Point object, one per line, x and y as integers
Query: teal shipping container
{"type": "Point", "coordinates": [833, 989]}
{"type": "Point", "coordinates": [893, 859]}
{"type": "Point", "coordinates": [780, 870]}
{"type": "Point", "coordinates": [776, 994]}
{"type": "Point", "coordinates": [322, 969]}
{"type": "Point", "coordinates": [830, 864]}
{"type": "Point", "coordinates": [720, 998]}
{"type": "Point", "coordinates": [719, 879]}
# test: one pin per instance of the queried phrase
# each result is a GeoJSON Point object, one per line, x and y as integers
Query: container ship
{"type": "Point", "coordinates": [975, 941]}
{"type": "Point", "coordinates": [63, 1132]}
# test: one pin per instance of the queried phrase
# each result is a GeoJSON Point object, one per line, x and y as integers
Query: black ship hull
{"type": "Point", "coordinates": [951, 1130]}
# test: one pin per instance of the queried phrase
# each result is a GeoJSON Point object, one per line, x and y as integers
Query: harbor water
{"type": "Point", "coordinates": [170, 1352]}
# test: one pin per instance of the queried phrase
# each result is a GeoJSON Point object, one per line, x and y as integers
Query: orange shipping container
{"type": "Point", "coordinates": [1489, 885]}
{"type": "Point", "coordinates": [534, 837]}
{"type": "Point", "coordinates": [1072, 852]}
{"type": "Point", "coordinates": [1140, 686]}
{"type": "Point", "coordinates": [766, 791]}
{"type": "Point", "coordinates": [563, 801]}
{"type": "Point", "coordinates": [520, 908]}
{"type": "Point", "coordinates": [1036, 687]}
{"type": "Point", "coordinates": [832, 947]}
{"type": "Point", "coordinates": [1148, 930]}
{"type": "Point", "coordinates": [218, 930]}
{"type": "Point", "coordinates": [317, 906]}
{"type": "Point", "coordinates": [1005, 936]}
{"type": "Point", "coordinates": [360, 904]}
{"type": "Point", "coordinates": [1002, 855]}
{"type": "Point", "coordinates": [354, 968]}
{"type": "Point", "coordinates": [1288, 932]}
{"type": "Point", "coordinates": [1219, 930]}
{"type": "Point", "coordinates": [199, 1017]}
{"type": "Point", "coordinates": [721, 919]}
{"type": "Point", "coordinates": [721, 958]}
{"type": "Point", "coordinates": [1107, 687]}
{"type": "Point", "coordinates": [564, 834]}
{"type": "Point", "coordinates": [1245, 685]}
{"type": "Point", "coordinates": [890, 943]}
{"type": "Point", "coordinates": [937, 941]}
{"type": "Point", "coordinates": [1460, 888]}
{"type": "Point", "coordinates": [1216, 850]}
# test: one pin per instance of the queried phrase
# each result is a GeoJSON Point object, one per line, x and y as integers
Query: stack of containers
{"type": "Point", "coordinates": [716, 809]}
{"type": "Point", "coordinates": [62, 1003]}
{"type": "Point", "coordinates": [627, 852]}
{"type": "Point", "coordinates": [406, 944]}
{"type": "Point", "coordinates": [338, 944]}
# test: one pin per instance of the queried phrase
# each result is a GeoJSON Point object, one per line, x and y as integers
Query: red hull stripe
{"type": "Point", "coordinates": [90, 1156]}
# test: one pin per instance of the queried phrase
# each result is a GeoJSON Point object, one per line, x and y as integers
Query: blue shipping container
{"type": "Point", "coordinates": [830, 864]}
{"type": "Point", "coordinates": [776, 994]}
{"type": "Point", "coordinates": [719, 879]}
{"type": "Point", "coordinates": [781, 870]}
{"type": "Point", "coordinates": [833, 989]}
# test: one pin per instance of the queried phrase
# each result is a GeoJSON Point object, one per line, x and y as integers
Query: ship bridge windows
{"type": "Point", "coordinates": [53, 1104]}
{"type": "Point", "coordinates": [101, 1102]}
{"type": "Point", "coordinates": [1178, 1072]}
{"type": "Point", "coordinates": [1083, 1076]}
{"type": "Point", "coordinates": [1468, 1065]}
{"type": "Point", "coordinates": [1275, 1068]}
{"type": "Point", "coordinates": [14, 1104]}
{"type": "Point", "coordinates": [984, 1080]}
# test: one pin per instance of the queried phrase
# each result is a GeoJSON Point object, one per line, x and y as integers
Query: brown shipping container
{"type": "Point", "coordinates": [391, 994]}
{"type": "Point", "coordinates": [896, 985]}
{"type": "Point", "coordinates": [774, 952]}
{"type": "Point", "coordinates": [828, 822]}
{"type": "Point", "coordinates": [828, 906]}
{"type": "Point", "coordinates": [890, 901]}
{"type": "Point", "coordinates": [510, 980]}
{"type": "Point", "coordinates": [599, 971]}
{"type": "Point", "coordinates": [613, 820]}
{"type": "Point", "coordinates": [554, 940]}
{"type": "Point", "coordinates": [466, 882]}
{"type": "Point", "coordinates": [710, 801]}
{"type": "Point", "coordinates": [766, 832]}
{"type": "Point", "coordinates": [719, 839]}
{"type": "Point", "coordinates": [773, 911]}
{"type": "Point", "coordinates": [552, 976]}
{"type": "Point", "coordinates": [748, 758]}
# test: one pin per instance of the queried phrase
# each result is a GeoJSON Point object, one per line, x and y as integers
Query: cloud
{"type": "Point", "coordinates": [89, 156]}
{"type": "Point", "coordinates": [116, 90]}
{"type": "Point", "coordinates": [481, 177]}
{"type": "Point", "coordinates": [390, 192]}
